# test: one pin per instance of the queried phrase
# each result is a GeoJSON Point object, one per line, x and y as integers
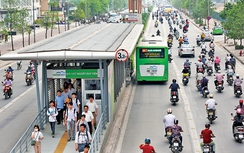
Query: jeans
{"type": "Point", "coordinates": [52, 124]}
{"type": "Point", "coordinates": [71, 129]}
{"type": "Point", "coordinates": [211, 144]}
{"type": "Point", "coordinates": [60, 116]}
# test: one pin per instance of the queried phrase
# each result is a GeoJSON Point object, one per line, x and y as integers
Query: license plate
{"type": "Point", "coordinates": [210, 113]}
{"type": "Point", "coordinates": [169, 133]}
{"type": "Point", "coordinates": [176, 144]}
{"type": "Point", "coordinates": [241, 136]}
{"type": "Point", "coordinates": [184, 79]}
{"type": "Point", "coordinates": [174, 96]}
{"type": "Point", "coordinates": [210, 70]}
{"type": "Point", "coordinates": [206, 149]}
{"type": "Point", "coordinates": [220, 85]}
{"type": "Point", "coordinates": [238, 91]}
{"type": "Point", "coordinates": [206, 91]}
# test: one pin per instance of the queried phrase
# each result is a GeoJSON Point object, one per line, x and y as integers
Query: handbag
{"type": "Point", "coordinates": [33, 141]}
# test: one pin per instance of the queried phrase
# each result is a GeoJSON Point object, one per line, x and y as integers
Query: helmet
{"type": "Point", "coordinates": [176, 121]}
{"type": "Point", "coordinates": [174, 80]}
{"type": "Point", "coordinates": [9, 65]}
{"type": "Point", "coordinates": [169, 110]}
{"type": "Point", "coordinates": [238, 111]}
{"type": "Point", "coordinates": [237, 75]}
{"type": "Point", "coordinates": [240, 101]}
{"type": "Point", "coordinates": [207, 125]}
{"type": "Point", "coordinates": [147, 141]}
{"type": "Point", "coordinates": [229, 67]}
{"type": "Point", "coordinates": [211, 96]}
{"type": "Point", "coordinates": [219, 71]}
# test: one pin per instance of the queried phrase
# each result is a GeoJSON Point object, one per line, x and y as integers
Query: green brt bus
{"type": "Point", "coordinates": [152, 60]}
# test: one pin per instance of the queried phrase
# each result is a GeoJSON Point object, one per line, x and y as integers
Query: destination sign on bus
{"type": "Point", "coordinates": [152, 53]}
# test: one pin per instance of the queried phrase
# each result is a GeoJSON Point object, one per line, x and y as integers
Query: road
{"type": "Point", "coordinates": [151, 101]}
{"type": "Point", "coordinates": [16, 118]}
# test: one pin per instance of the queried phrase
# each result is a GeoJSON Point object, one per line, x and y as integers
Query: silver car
{"type": "Point", "coordinates": [208, 35]}
{"type": "Point", "coordinates": [186, 49]}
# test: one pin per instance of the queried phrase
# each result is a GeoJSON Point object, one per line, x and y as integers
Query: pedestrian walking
{"type": "Point", "coordinates": [93, 107]}
{"type": "Point", "coordinates": [76, 104]}
{"type": "Point", "coordinates": [70, 120]}
{"type": "Point", "coordinates": [82, 120]}
{"type": "Point", "coordinates": [59, 104]}
{"type": "Point", "coordinates": [37, 136]}
{"type": "Point", "coordinates": [82, 139]}
{"type": "Point", "coordinates": [52, 113]}
{"type": "Point", "coordinates": [89, 118]}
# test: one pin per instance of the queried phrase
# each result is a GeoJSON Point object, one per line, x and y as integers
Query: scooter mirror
{"type": "Point", "coordinates": [231, 114]}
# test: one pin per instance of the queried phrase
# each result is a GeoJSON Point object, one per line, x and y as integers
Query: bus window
{"type": "Point", "coordinates": [152, 53]}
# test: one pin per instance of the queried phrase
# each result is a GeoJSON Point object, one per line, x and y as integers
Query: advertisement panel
{"type": "Point", "coordinates": [73, 73]}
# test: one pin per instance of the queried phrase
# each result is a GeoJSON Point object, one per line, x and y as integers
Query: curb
{"type": "Point", "coordinates": [232, 54]}
{"type": "Point", "coordinates": [113, 137]}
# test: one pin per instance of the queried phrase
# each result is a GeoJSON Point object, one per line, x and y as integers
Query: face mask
{"type": "Point", "coordinates": [36, 130]}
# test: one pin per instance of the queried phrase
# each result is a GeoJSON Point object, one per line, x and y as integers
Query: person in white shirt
{"type": "Point", "coordinates": [82, 139]}
{"type": "Point", "coordinates": [71, 90]}
{"type": "Point", "coordinates": [65, 93]}
{"type": "Point", "coordinates": [92, 105]}
{"type": "Point", "coordinates": [82, 120]}
{"type": "Point", "coordinates": [76, 104]}
{"type": "Point", "coordinates": [70, 120]}
{"type": "Point", "coordinates": [37, 136]}
{"type": "Point", "coordinates": [52, 113]}
{"type": "Point", "coordinates": [168, 120]}
{"type": "Point", "coordinates": [89, 118]}
{"type": "Point", "coordinates": [210, 103]}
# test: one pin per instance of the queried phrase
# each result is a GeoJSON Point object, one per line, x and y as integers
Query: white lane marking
{"type": "Point", "coordinates": [126, 120]}
{"type": "Point", "coordinates": [192, 127]}
{"type": "Point", "coordinates": [17, 98]}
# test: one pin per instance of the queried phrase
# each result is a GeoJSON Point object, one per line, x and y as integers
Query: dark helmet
{"type": "Point", "coordinates": [207, 125]}
{"type": "Point", "coordinates": [147, 141]}
{"type": "Point", "coordinates": [174, 80]}
{"type": "Point", "coordinates": [176, 121]}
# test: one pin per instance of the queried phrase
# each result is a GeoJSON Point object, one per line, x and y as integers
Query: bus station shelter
{"type": "Point", "coordinates": [86, 53]}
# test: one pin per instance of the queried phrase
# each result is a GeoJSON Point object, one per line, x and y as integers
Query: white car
{"type": "Point", "coordinates": [114, 20]}
{"type": "Point", "coordinates": [208, 35]}
{"type": "Point", "coordinates": [186, 49]}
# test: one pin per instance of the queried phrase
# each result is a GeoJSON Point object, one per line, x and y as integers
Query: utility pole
{"type": "Point", "coordinates": [34, 24]}
{"type": "Point", "coordinates": [11, 27]}
{"type": "Point", "coordinates": [68, 14]}
{"type": "Point", "coordinates": [208, 14]}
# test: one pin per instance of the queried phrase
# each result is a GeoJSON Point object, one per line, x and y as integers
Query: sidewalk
{"type": "Point", "coordinates": [229, 47]}
{"type": "Point", "coordinates": [40, 35]}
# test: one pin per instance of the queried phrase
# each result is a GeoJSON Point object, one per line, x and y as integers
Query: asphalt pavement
{"type": "Point", "coordinates": [151, 101]}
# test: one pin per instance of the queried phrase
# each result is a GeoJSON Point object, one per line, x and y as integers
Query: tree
{"type": "Point", "coordinates": [78, 15]}
{"type": "Point", "coordinates": [54, 14]}
{"type": "Point", "coordinates": [47, 21]}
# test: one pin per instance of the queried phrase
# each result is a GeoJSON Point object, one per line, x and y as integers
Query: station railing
{"type": "Point", "coordinates": [96, 139]}
{"type": "Point", "coordinates": [25, 141]}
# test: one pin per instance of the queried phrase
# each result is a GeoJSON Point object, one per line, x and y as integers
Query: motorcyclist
{"type": "Point", "coordinates": [180, 41]}
{"type": "Point", "coordinates": [187, 64]}
{"type": "Point", "coordinates": [210, 103]}
{"type": "Point", "coordinates": [185, 72]}
{"type": "Point", "coordinates": [203, 47]}
{"type": "Point", "coordinates": [237, 83]}
{"type": "Point", "coordinates": [185, 39]}
{"type": "Point", "coordinates": [238, 119]}
{"type": "Point", "coordinates": [169, 54]}
{"type": "Point", "coordinates": [219, 78]}
{"type": "Point", "coordinates": [199, 64]}
{"type": "Point", "coordinates": [185, 28]}
{"type": "Point", "coordinates": [169, 41]}
{"type": "Point", "coordinates": [233, 62]}
{"type": "Point", "coordinates": [8, 74]}
{"type": "Point", "coordinates": [175, 30]}
{"type": "Point", "coordinates": [174, 86]}
{"type": "Point", "coordinates": [8, 82]}
{"type": "Point", "coordinates": [29, 69]}
{"type": "Point", "coordinates": [176, 129]}
{"type": "Point", "coordinates": [230, 72]}
{"type": "Point", "coordinates": [204, 83]}
{"type": "Point", "coordinates": [198, 39]}
{"type": "Point", "coordinates": [168, 120]}
{"type": "Point", "coordinates": [158, 32]}
{"type": "Point", "coordinates": [203, 59]}
{"type": "Point", "coordinates": [202, 36]}
{"type": "Point", "coordinates": [206, 135]}
{"type": "Point", "coordinates": [209, 63]}
{"type": "Point", "coordinates": [216, 61]}
{"type": "Point", "coordinates": [240, 106]}
{"type": "Point", "coordinates": [211, 45]}
{"type": "Point", "coordinates": [227, 61]}
{"type": "Point", "coordinates": [147, 148]}
{"type": "Point", "coordinates": [10, 69]}
{"type": "Point", "coordinates": [199, 77]}
{"type": "Point", "coordinates": [211, 53]}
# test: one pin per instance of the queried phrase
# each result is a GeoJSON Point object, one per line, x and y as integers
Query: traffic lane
{"type": "Point", "coordinates": [226, 101]}
{"type": "Point", "coordinates": [19, 84]}
{"type": "Point", "coordinates": [16, 119]}
{"type": "Point", "coordinates": [150, 105]}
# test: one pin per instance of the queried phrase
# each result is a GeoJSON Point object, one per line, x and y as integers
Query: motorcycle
{"type": "Point", "coordinates": [238, 133]}
{"type": "Point", "coordinates": [169, 45]}
{"type": "Point", "coordinates": [180, 26]}
{"type": "Point", "coordinates": [238, 92]}
{"type": "Point", "coordinates": [230, 80]}
{"type": "Point", "coordinates": [205, 92]}
{"type": "Point", "coordinates": [211, 115]}
{"type": "Point", "coordinates": [19, 65]}
{"type": "Point", "coordinates": [185, 31]}
{"type": "Point", "coordinates": [174, 97]}
{"type": "Point", "coordinates": [220, 86]}
{"type": "Point", "coordinates": [198, 43]}
{"type": "Point", "coordinates": [209, 70]}
{"type": "Point", "coordinates": [185, 80]}
{"type": "Point", "coordinates": [217, 67]}
{"type": "Point", "coordinates": [29, 78]}
{"type": "Point", "coordinates": [174, 22]}
{"type": "Point", "coordinates": [7, 91]}
{"type": "Point", "coordinates": [207, 148]}
{"type": "Point", "coordinates": [198, 85]}
{"type": "Point", "coordinates": [176, 145]}
{"type": "Point", "coordinates": [170, 58]}
{"type": "Point", "coordinates": [204, 51]}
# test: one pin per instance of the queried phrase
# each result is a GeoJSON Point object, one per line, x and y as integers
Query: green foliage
{"type": "Point", "coordinates": [145, 17]}
{"type": "Point", "coordinates": [79, 14]}
{"type": "Point", "coordinates": [150, 8]}
{"type": "Point", "coordinates": [227, 7]}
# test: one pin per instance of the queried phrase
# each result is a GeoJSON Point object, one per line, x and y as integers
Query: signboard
{"type": "Point", "coordinates": [73, 73]}
{"type": "Point", "coordinates": [152, 53]}
{"type": "Point", "coordinates": [121, 55]}
{"type": "Point", "coordinates": [152, 70]}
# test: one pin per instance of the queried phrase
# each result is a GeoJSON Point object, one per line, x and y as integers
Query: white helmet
{"type": "Point", "coordinates": [210, 95]}
{"type": "Point", "coordinates": [237, 75]}
{"type": "Point", "coordinates": [219, 71]}
{"type": "Point", "coordinates": [229, 67]}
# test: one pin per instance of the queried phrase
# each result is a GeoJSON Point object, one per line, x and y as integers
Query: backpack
{"type": "Point", "coordinates": [54, 109]}
{"type": "Point", "coordinates": [67, 112]}
{"type": "Point", "coordinates": [86, 136]}
{"type": "Point", "coordinates": [233, 60]}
